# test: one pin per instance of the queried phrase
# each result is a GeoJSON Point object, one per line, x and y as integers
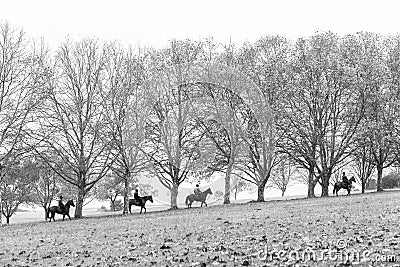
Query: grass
{"type": "Point", "coordinates": [229, 235]}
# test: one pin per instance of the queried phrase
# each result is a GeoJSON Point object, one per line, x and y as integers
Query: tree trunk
{"type": "Point", "coordinates": [112, 204]}
{"type": "Point", "coordinates": [325, 185]}
{"type": "Point", "coordinates": [79, 202]}
{"type": "Point", "coordinates": [228, 183]}
{"type": "Point", "coordinates": [260, 190]}
{"type": "Point", "coordinates": [363, 184]}
{"type": "Point", "coordinates": [379, 179]}
{"type": "Point", "coordinates": [283, 192]}
{"type": "Point", "coordinates": [311, 183]}
{"type": "Point", "coordinates": [126, 192]}
{"type": "Point", "coordinates": [8, 219]}
{"type": "Point", "coordinates": [45, 212]}
{"type": "Point", "coordinates": [1, 211]}
{"type": "Point", "coordinates": [174, 197]}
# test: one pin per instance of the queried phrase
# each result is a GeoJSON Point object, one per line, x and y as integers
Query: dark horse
{"type": "Point", "coordinates": [340, 185]}
{"type": "Point", "coordinates": [201, 197]}
{"type": "Point", "coordinates": [51, 212]}
{"type": "Point", "coordinates": [140, 202]}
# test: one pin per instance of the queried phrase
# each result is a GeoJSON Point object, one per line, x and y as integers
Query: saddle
{"type": "Point", "coordinates": [198, 196]}
{"type": "Point", "coordinates": [137, 201]}
{"type": "Point", "coordinates": [344, 184]}
{"type": "Point", "coordinates": [60, 210]}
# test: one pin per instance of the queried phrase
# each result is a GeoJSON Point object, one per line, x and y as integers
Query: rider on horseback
{"type": "Point", "coordinates": [60, 203]}
{"type": "Point", "coordinates": [344, 178]}
{"type": "Point", "coordinates": [198, 196]}
{"type": "Point", "coordinates": [197, 190]}
{"type": "Point", "coordinates": [136, 196]}
{"type": "Point", "coordinates": [345, 184]}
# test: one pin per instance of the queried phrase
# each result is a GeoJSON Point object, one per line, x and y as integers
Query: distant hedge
{"type": "Point", "coordinates": [391, 181]}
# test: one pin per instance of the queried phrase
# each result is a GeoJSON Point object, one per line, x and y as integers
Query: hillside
{"type": "Point", "coordinates": [230, 235]}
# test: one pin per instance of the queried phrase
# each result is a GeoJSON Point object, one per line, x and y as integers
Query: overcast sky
{"type": "Point", "coordinates": [153, 23]}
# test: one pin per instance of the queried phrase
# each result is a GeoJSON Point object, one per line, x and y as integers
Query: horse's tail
{"type": "Point", "coordinates": [187, 201]}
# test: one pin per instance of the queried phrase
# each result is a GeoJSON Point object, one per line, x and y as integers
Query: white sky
{"type": "Point", "coordinates": [153, 23]}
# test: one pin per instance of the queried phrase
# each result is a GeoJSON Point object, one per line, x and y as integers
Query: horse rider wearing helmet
{"type": "Point", "coordinates": [60, 203]}
{"type": "Point", "coordinates": [344, 178]}
{"type": "Point", "coordinates": [136, 196]}
{"type": "Point", "coordinates": [197, 190]}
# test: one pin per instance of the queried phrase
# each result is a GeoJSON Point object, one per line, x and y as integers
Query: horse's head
{"type": "Point", "coordinates": [151, 199]}
{"type": "Point", "coordinates": [70, 203]}
{"type": "Point", "coordinates": [352, 179]}
{"type": "Point", "coordinates": [208, 191]}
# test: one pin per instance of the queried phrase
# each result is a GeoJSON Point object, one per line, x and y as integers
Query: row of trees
{"type": "Point", "coordinates": [198, 108]}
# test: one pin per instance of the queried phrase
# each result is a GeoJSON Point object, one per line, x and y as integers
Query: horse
{"type": "Point", "coordinates": [140, 202]}
{"type": "Point", "coordinates": [201, 197]}
{"type": "Point", "coordinates": [340, 185]}
{"type": "Point", "coordinates": [55, 209]}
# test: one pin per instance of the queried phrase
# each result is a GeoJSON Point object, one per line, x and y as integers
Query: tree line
{"type": "Point", "coordinates": [71, 117]}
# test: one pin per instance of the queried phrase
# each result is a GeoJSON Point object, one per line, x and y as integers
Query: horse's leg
{"type": "Point", "coordinates": [69, 217]}
{"type": "Point", "coordinates": [144, 209]}
{"type": "Point", "coordinates": [63, 217]}
{"type": "Point", "coordinates": [130, 212]}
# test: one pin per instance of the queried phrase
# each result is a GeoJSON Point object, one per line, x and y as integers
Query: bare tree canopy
{"type": "Point", "coordinates": [259, 111]}
{"type": "Point", "coordinates": [72, 122]}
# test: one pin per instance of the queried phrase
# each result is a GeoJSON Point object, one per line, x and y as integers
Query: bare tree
{"type": "Point", "coordinates": [283, 174]}
{"type": "Point", "coordinates": [45, 185]}
{"type": "Point", "coordinates": [225, 113]}
{"type": "Point", "coordinates": [16, 187]}
{"type": "Point", "coordinates": [239, 185]}
{"type": "Point", "coordinates": [376, 66]}
{"type": "Point", "coordinates": [126, 114]}
{"type": "Point", "coordinates": [222, 129]}
{"type": "Point", "coordinates": [72, 122]}
{"type": "Point", "coordinates": [392, 61]}
{"type": "Point", "coordinates": [21, 79]}
{"type": "Point", "coordinates": [109, 188]}
{"type": "Point", "coordinates": [172, 132]}
{"type": "Point", "coordinates": [266, 63]}
{"type": "Point", "coordinates": [363, 163]}
{"type": "Point", "coordinates": [218, 194]}
{"type": "Point", "coordinates": [324, 97]}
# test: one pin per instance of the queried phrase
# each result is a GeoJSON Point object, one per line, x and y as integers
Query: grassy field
{"type": "Point", "coordinates": [253, 234]}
